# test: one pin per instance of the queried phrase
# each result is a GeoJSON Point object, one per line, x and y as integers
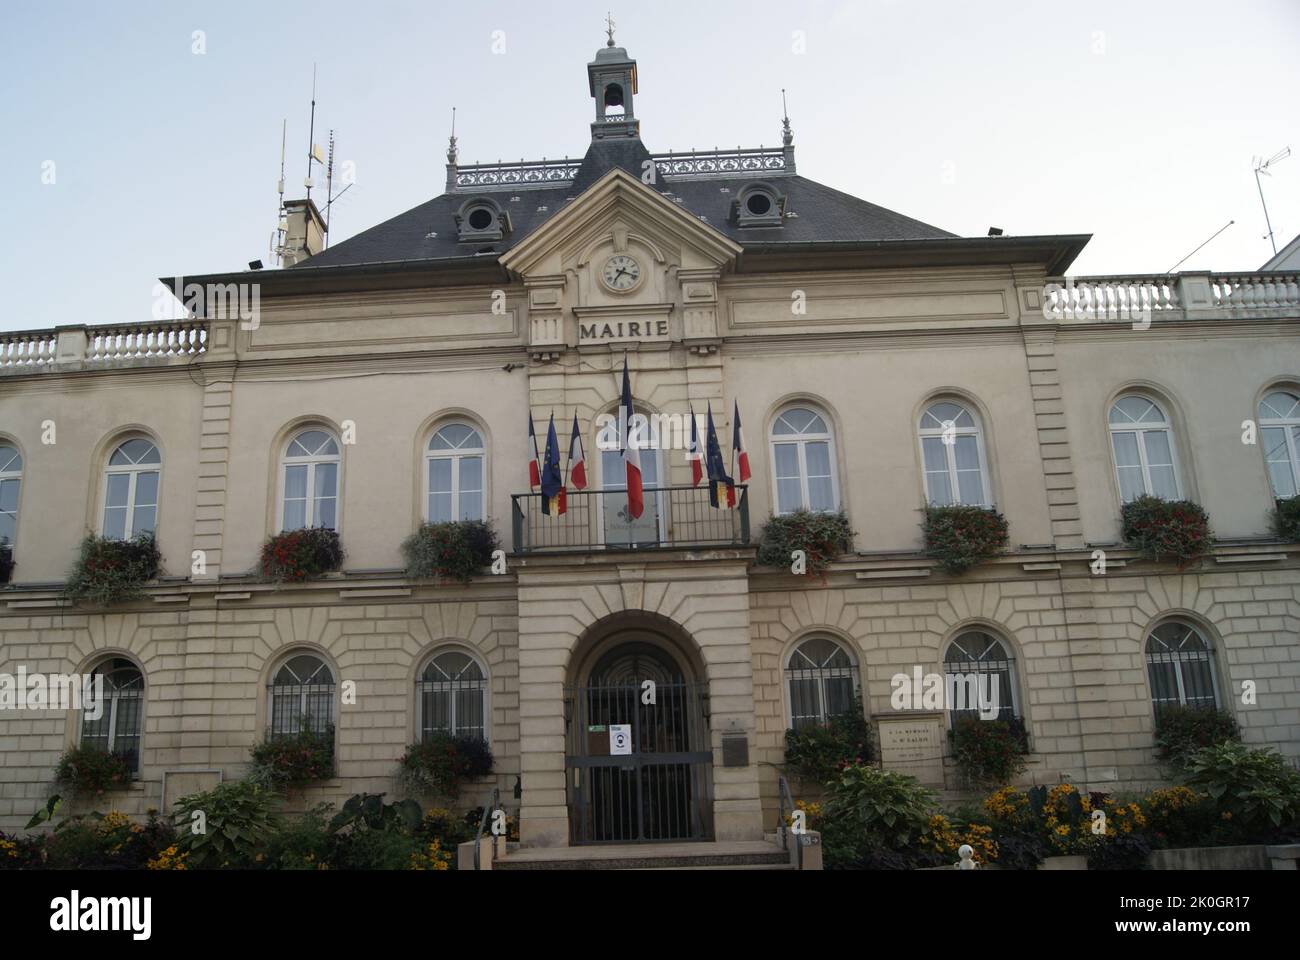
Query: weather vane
{"type": "Point", "coordinates": [609, 29]}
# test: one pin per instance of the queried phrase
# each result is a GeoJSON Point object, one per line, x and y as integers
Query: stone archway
{"type": "Point", "coordinates": [638, 759]}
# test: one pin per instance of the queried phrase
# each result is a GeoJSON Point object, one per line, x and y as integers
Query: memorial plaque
{"type": "Point", "coordinates": [914, 746]}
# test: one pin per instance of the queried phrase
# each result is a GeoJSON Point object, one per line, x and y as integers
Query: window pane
{"type": "Point", "coordinates": [1163, 483]}
{"type": "Point", "coordinates": [966, 451]}
{"type": "Point", "coordinates": [1280, 471]}
{"type": "Point", "coordinates": [788, 496]}
{"type": "Point", "coordinates": [471, 506]}
{"type": "Point", "coordinates": [805, 703]}
{"type": "Point", "coordinates": [1126, 449]}
{"type": "Point", "coordinates": [295, 482]}
{"type": "Point", "coordinates": [326, 513]}
{"type": "Point", "coordinates": [327, 479]}
{"type": "Point", "coordinates": [818, 456]}
{"type": "Point", "coordinates": [787, 460]}
{"type": "Point", "coordinates": [9, 495]}
{"type": "Point", "coordinates": [118, 485]}
{"type": "Point", "coordinates": [115, 523]}
{"type": "Point", "coordinates": [471, 474]}
{"type": "Point", "coordinates": [440, 475]}
{"type": "Point", "coordinates": [144, 520]}
{"type": "Point", "coordinates": [936, 454]}
{"type": "Point", "coordinates": [146, 489]}
{"type": "Point", "coordinates": [1159, 452]}
{"type": "Point", "coordinates": [820, 494]}
{"type": "Point", "coordinates": [440, 507]}
{"type": "Point", "coordinates": [295, 514]}
{"type": "Point", "coordinates": [971, 487]}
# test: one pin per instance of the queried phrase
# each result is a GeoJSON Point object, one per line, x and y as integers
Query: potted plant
{"type": "Point", "coordinates": [1286, 519]}
{"type": "Point", "coordinates": [441, 762]}
{"type": "Point", "coordinates": [1173, 530]}
{"type": "Point", "coordinates": [297, 555]}
{"type": "Point", "coordinates": [294, 759]}
{"type": "Point", "coordinates": [960, 536]}
{"type": "Point", "coordinates": [454, 550]}
{"type": "Point", "coordinates": [111, 571]}
{"type": "Point", "coordinates": [86, 771]}
{"type": "Point", "coordinates": [820, 536]}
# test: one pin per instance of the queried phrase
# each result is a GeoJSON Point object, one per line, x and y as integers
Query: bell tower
{"type": "Point", "coordinates": [611, 77]}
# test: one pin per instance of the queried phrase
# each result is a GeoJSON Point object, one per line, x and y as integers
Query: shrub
{"type": "Point", "coordinates": [6, 561]}
{"type": "Point", "coordinates": [960, 537]}
{"type": "Point", "coordinates": [112, 571]}
{"type": "Point", "coordinates": [1286, 519]}
{"type": "Point", "coordinates": [821, 536]}
{"type": "Point", "coordinates": [1181, 817]}
{"type": "Point", "coordinates": [989, 752]}
{"type": "Point", "coordinates": [818, 752]}
{"type": "Point", "coordinates": [945, 838]}
{"type": "Point", "coordinates": [108, 841]}
{"type": "Point", "coordinates": [1175, 530]}
{"type": "Point", "coordinates": [449, 829]}
{"type": "Point", "coordinates": [1124, 851]}
{"type": "Point", "coordinates": [868, 809]}
{"type": "Point", "coordinates": [1253, 790]}
{"type": "Point", "coordinates": [293, 759]}
{"type": "Point", "coordinates": [1059, 820]}
{"type": "Point", "coordinates": [239, 819]}
{"type": "Point", "coordinates": [373, 835]}
{"type": "Point", "coordinates": [21, 853]}
{"type": "Point", "coordinates": [1181, 731]}
{"type": "Point", "coordinates": [86, 771]}
{"type": "Point", "coordinates": [450, 551]}
{"type": "Point", "coordinates": [304, 842]}
{"type": "Point", "coordinates": [440, 763]}
{"type": "Point", "coordinates": [297, 555]}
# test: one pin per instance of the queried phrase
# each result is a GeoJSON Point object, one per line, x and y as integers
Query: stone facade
{"type": "Point", "coordinates": [883, 330]}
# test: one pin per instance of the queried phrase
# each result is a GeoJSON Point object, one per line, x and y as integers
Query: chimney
{"type": "Point", "coordinates": [304, 231]}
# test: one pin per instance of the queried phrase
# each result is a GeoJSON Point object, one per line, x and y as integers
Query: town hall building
{"type": "Point", "coordinates": [879, 364]}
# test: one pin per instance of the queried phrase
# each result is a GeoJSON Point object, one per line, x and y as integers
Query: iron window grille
{"type": "Point", "coordinates": [1180, 665]}
{"type": "Point", "coordinates": [302, 698]}
{"type": "Point", "coordinates": [117, 728]}
{"type": "Point", "coordinates": [984, 655]}
{"type": "Point", "coordinates": [452, 697]}
{"type": "Point", "coordinates": [822, 681]}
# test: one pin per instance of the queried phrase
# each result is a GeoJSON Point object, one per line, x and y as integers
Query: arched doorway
{"type": "Point", "coordinates": [638, 763]}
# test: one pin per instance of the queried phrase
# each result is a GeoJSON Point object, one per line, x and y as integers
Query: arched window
{"type": "Point", "coordinates": [986, 658]}
{"type": "Point", "coordinates": [822, 681]}
{"type": "Point", "coordinates": [1142, 439]}
{"type": "Point", "coordinates": [310, 479]}
{"type": "Point", "coordinates": [131, 490]}
{"type": "Point", "coordinates": [11, 479]}
{"type": "Point", "coordinates": [1279, 427]}
{"type": "Point", "coordinates": [113, 726]}
{"type": "Point", "coordinates": [1180, 665]}
{"type": "Point", "coordinates": [454, 474]}
{"type": "Point", "coordinates": [301, 697]}
{"type": "Point", "coordinates": [803, 462]}
{"type": "Point", "coordinates": [451, 696]}
{"type": "Point", "coordinates": [952, 451]}
{"type": "Point", "coordinates": [619, 528]}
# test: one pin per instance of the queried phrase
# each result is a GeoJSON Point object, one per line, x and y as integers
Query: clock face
{"type": "Point", "coordinates": [621, 272]}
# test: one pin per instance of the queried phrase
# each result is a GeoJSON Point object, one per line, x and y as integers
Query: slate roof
{"type": "Point", "coordinates": [428, 231]}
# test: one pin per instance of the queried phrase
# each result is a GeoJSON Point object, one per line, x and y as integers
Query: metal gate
{"type": "Point", "coordinates": [660, 790]}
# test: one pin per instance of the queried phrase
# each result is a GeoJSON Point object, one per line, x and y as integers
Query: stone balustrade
{"type": "Point", "coordinates": [81, 347]}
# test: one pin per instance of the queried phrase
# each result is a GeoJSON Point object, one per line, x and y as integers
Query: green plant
{"type": "Point", "coordinates": [1181, 817]}
{"type": "Point", "coordinates": [1253, 789]}
{"type": "Point", "coordinates": [439, 763]}
{"type": "Point", "coordinates": [1286, 519]}
{"type": "Point", "coordinates": [112, 571]}
{"type": "Point", "coordinates": [6, 560]}
{"type": "Point", "coordinates": [818, 752]}
{"type": "Point", "coordinates": [304, 842]}
{"type": "Point", "coordinates": [297, 555]}
{"type": "Point", "coordinates": [989, 752]}
{"type": "Point", "coordinates": [228, 825]}
{"type": "Point", "coordinates": [1175, 530]}
{"type": "Point", "coordinates": [373, 835]}
{"type": "Point", "coordinates": [46, 812]}
{"type": "Point", "coordinates": [1181, 731]}
{"type": "Point", "coordinates": [369, 810]}
{"type": "Point", "coordinates": [87, 771]}
{"type": "Point", "coordinates": [961, 536]}
{"type": "Point", "coordinates": [1124, 851]}
{"type": "Point", "coordinates": [302, 757]}
{"type": "Point", "coordinates": [106, 841]}
{"type": "Point", "coordinates": [867, 809]}
{"type": "Point", "coordinates": [455, 550]}
{"type": "Point", "coordinates": [821, 536]}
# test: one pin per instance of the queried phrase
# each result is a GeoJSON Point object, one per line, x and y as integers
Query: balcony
{"type": "Point", "coordinates": [674, 517]}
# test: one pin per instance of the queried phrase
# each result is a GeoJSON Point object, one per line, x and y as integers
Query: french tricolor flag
{"type": "Point", "coordinates": [627, 448]}
{"type": "Point", "coordinates": [577, 458]}
{"type": "Point", "coordinates": [694, 454]}
{"type": "Point", "coordinates": [534, 457]}
{"type": "Point", "coordinates": [738, 445]}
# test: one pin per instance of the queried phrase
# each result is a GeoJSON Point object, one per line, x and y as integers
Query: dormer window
{"type": "Point", "coordinates": [481, 219]}
{"type": "Point", "coordinates": [759, 205]}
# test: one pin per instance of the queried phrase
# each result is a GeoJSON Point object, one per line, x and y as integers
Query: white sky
{"type": "Point", "coordinates": [1134, 121]}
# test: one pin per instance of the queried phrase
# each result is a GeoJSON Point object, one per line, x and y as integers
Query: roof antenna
{"type": "Point", "coordinates": [1189, 256]}
{"type": "Point", "coordinates": [1261, 166]}
{"type": "Point", "coordinates": [277, 237]}
{"type": "Point", "coordinates": [313, 150]}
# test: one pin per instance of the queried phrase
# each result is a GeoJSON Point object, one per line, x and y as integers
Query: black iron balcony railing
{"type": "Point", "coordinates": [599, 520]}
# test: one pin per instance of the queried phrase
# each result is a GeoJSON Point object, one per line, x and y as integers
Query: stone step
{"type": "Point", "coordinates": [756, 854]}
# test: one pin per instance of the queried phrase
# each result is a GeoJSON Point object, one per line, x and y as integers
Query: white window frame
{"type": "Point", "coordinates": [17, 477]}
{"type": "Point", "coordinates": [132, 471]}
{"type": "Point", "coordinates": [801, 440]}
{"type": "Point", "coordinates": [303, 692]}
{"type": "Point", "coordinates": [311, 462]}
{"type": "Point", "coordinates": [455, 456]}
{"type": "Point", "coordinates": [950, 451]}
{"type": "Point", "coordinates": [1178, 662]}
{"type": "Point", "coordinates": [655, 484]}
{"type": "Point", "coordinates": [485, 693]}
{"type": "Point", "coordinates": [1166, 426]}
{"type": "Point", "coordinates": [1289, 426]}
{"type": "Point", "coordinates": [113, 699]}
{"type": "Point", "coordinates": [852, 672]}
{"type": "Point", "coordinates": [1008, 658]}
